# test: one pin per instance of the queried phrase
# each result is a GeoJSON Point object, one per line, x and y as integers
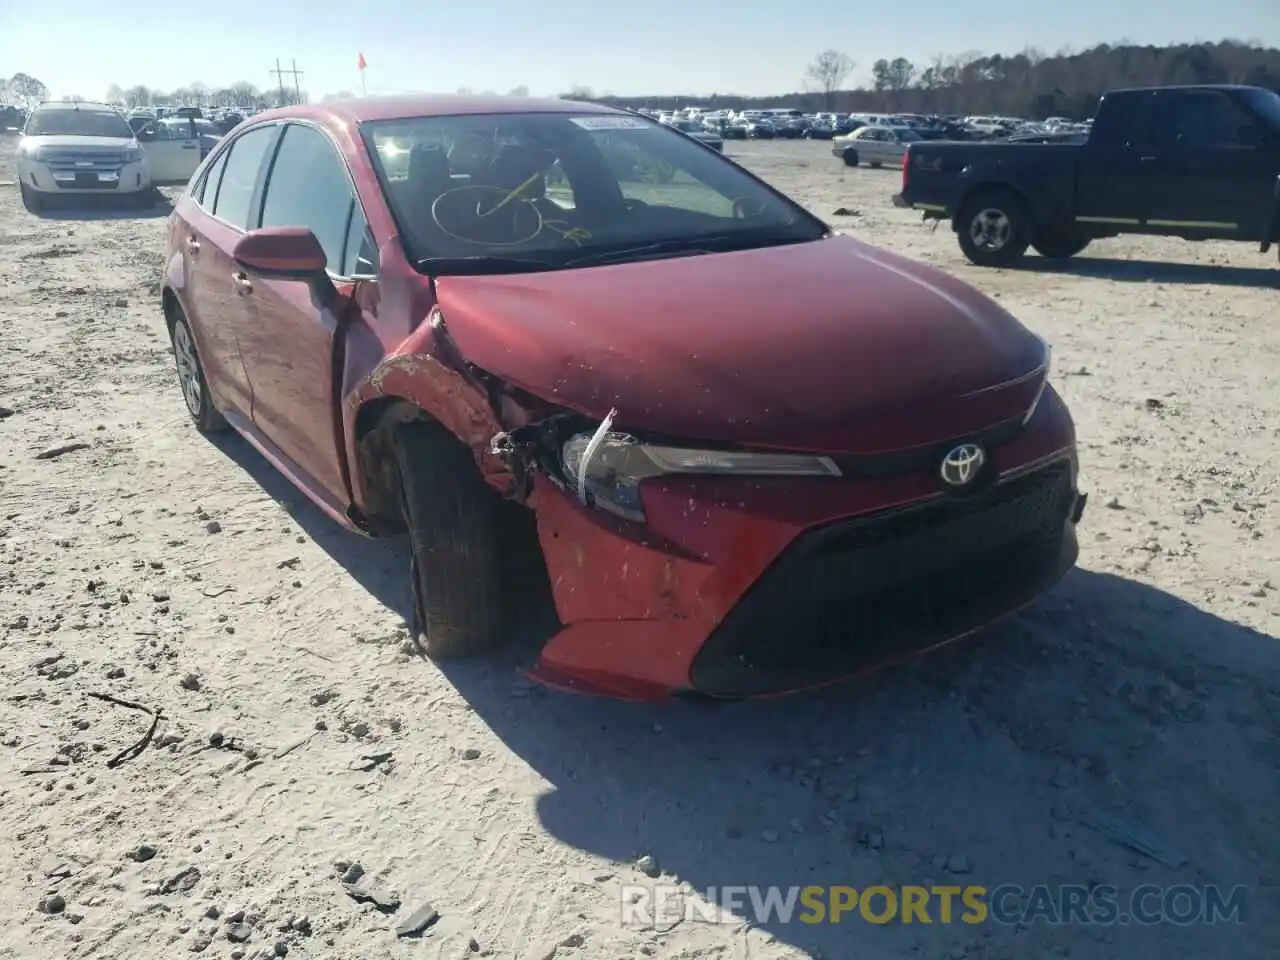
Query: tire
{"type": "Point", "coordinates": [452, 518]}
{"type": "Point", "coordinates": [191, 380]}
{"type": "Point", "coordinates": [31, 200]}
{"type": "Point", "coordinates": [994, 228]}
{"type": "Point", "coordinates": [876, 164]}
{"type": "Point", "coordinates": [850, 158]}
{"type": "Point", "coordinates": [1059, 244]}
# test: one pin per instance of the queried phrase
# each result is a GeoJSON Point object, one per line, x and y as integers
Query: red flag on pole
{"type": "Point", "coordinates": [360, 63]}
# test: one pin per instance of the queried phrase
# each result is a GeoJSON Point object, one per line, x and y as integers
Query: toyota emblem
{"type": "Point", "coordinates": [962, 464]}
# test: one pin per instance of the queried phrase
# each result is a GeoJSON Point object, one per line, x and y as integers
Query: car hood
{"type": "Point", "coordinates": [830, 345]}
{"type": "Point", "coordinates": [80, 143]}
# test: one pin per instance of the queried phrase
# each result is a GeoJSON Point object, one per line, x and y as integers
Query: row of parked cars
{"type": "Point", "coordinates": [795, 124]}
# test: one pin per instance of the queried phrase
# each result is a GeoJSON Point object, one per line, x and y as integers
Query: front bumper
{"type": "Point", "coordinates": [755, 586]}
{"type": "Point", "coordinates": [96, 177]}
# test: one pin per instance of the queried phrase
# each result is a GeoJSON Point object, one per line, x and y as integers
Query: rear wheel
{"type": "Point", "coordinates": [850, 158]}
{"type": "Point", "coordinates": [876, 164]}
{"type": "Point", "coordinates": [191, 378]}
{"type": "Point", "coordinates": [994, 228]}
{"type": "Point", "coordinates": [1059, 244]}
{"type": "Point", "coordinates": [31, 199]}
{"type": "Point", "coordinates": [452, 518]}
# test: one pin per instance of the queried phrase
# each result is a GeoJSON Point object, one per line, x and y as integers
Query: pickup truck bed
{"type": "Point", "coordinates": [1192, 162]}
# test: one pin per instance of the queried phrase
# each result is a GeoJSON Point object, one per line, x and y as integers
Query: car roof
{"type": "Point", "coordinates": [368, 109]}
{"type": "Point", "coordinates": [1185, 87]}
{"type": "Point", "coordinates": [77, 105]}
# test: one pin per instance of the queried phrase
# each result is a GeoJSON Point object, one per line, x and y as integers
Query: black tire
{"type": "Point", "coordinates": [876, 164]}
{"type": "Point", "coordinates": [31, 200]}
{"type": "Point", "coordinates": [994, 228]}
{"type": "Point", "coordinates": [850, 158]}
{"type": "Point", "coordinates": [1059, 244]}
{"type": "Point", "coordinates": [452, 518]}
{"type": "Point", "coordinates": [191, 379]}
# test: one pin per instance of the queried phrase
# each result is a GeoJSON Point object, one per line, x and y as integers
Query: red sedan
{"type": "Point", "coordinates": [759, 455]}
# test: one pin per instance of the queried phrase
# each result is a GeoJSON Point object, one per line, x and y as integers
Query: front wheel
{"type": "Point", "coordinates": [451, 515]}
{"type": "Point", "coordinates": [994, 228]}
{"type": "Point", "coordinates": [850, 158]}
{"type": "Point", "coordinates": [1059, 244]}
{"type": "Point", "coordinates": [31, 200]}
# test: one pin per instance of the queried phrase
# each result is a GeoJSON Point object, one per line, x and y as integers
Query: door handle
{"type": "Point", "coordinates": [242, 282]}
{"type": "Point", "coordinates": [1145, 159]}
{"type": "Point", "coordinates": [191, 146]}
{"type": "Point", "coordinates": [193, 245]}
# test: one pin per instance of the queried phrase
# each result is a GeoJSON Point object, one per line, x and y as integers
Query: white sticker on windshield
{"type": "Point", "coordinates": [607, 122]}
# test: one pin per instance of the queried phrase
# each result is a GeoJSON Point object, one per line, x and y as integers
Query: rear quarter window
{"type": "Point", "coordinates": [206, 191]}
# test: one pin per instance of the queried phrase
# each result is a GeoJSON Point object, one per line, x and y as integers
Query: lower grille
{"type": "Point", "coordinates": [875, 588]}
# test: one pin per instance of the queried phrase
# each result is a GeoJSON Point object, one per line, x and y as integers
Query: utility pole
{"type": "Point", "coordinates": [279, 75]}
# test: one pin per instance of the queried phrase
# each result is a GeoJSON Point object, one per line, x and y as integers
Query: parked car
{"type": "Point", "coordinates": [1197, 162]}
{"type": "Point", "coordinates": [712, 414]}
{"type": "Point", "coordinates": [694, 129]}
{"type": "Point", "coordinates": [77, 147]}
{"type": "Point", "coordinates": [874, 145]}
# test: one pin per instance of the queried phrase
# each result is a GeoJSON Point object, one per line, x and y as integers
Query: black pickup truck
{"type": "Point", "coordinates": [1198, 162]}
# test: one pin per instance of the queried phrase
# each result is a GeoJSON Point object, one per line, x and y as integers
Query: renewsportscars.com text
{"type": "Point", "coordinates": [972, 904]}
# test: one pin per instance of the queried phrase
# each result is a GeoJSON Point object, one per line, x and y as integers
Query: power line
{"type": "Point", "coordinates": [279, 74]}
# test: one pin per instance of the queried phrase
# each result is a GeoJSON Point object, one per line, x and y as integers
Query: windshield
{"type": "Point", "coordinates": [1267, 103]}
{"type": "Point", "coordinates": [555, 189]}
{"type": "Point", "coordinates": [77, 123]}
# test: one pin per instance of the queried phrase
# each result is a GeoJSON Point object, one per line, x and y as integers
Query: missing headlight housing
{"type": "Point", "coordinates": [612, 466]}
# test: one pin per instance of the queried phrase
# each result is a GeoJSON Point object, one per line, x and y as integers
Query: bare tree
{"type": "Point", "coordinates": [520, 91]}
{"type": "Point", "coordinates": [827, 72]}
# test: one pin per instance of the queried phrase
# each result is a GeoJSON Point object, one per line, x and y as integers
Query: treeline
{"type": "Point", "coordinates": [1027, 84]}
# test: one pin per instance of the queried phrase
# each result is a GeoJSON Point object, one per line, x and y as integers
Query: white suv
{"type": "Point", "coordinates": [77, 147]}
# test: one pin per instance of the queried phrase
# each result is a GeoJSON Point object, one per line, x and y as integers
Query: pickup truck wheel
{"type": "Point", "coordinates": [1059, 245]}
{"type": "Point", "coordinates": [994, 229]}
{"type": "Point", "coordinates": [850, 158]}
{"type": "Point", "coordinates": [451, 515]}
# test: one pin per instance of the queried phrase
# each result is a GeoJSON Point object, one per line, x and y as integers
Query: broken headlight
{"type": "Point", "coordinates": [606, 468]}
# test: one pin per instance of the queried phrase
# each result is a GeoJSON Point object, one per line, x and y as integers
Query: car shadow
{"type": "Point", "coordinates": [1156, 271]}
{"type": "Point", "coordinates": [977, 763]}
{"type": "Point", "coordinates": [91, 207]}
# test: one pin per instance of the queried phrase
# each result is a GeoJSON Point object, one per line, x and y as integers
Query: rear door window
{"type": "Point", "coordinates": [240, 176]}
{"type": "Point", "coordinates": [1125, 121]}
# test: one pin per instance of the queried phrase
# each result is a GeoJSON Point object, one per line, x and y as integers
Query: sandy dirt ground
{"type": "Point", "coordinates": [1125, 730]}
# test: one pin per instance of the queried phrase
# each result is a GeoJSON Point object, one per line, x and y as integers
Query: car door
{"type": "Point", "coordinates": [1214, 174]}
{"type": "Point", "coordinates": [164, 152]}
{"type": "Point", "coordinates": [1114, 182]}
{"type": "Point", "coordinates": [290, 354]}
{"type": "Point", "coordinates": [225, 195]}
{"type": "Point", "coordinates": [187, 153]}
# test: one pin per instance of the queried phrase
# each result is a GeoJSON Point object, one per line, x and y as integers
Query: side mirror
{"type": "Point", "coordinates": [283, 253]}
{"type": "Point", "coordinates": [146, 134]}
{"type": "Point", "coordinates": [287, 253]}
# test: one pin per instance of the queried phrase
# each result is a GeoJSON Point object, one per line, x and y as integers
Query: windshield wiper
{"type": "Point", "coordinates": [483, 265]}
{"type": "Point", "coordinates": [691, 246]}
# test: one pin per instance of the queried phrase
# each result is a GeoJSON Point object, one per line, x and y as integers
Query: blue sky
{"type": "Point", "coordinates": [656, 46]}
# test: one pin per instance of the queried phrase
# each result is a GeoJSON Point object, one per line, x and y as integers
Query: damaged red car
{"type": "Point", "coordinates": [757, 455]}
